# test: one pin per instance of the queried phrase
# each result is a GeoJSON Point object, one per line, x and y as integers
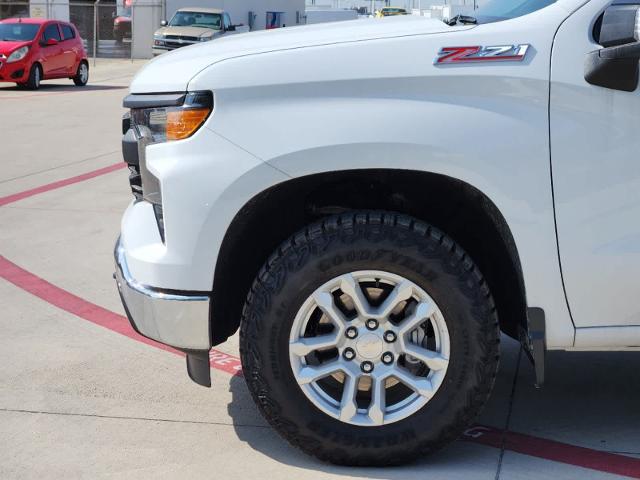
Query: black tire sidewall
{"type": "Point", "coordinates": [77, 80]}
{"type": "Point", "coordinates": [31, 82]}
{"type": "Point", "coordinates": [424, 260]}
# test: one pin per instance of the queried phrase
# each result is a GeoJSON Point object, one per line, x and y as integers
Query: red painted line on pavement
{"type": "Point", "coordinates": [555, 451]}
{"type": "Point", "coordinates": [60, 183]}
{"type": "Point", "coordinates": [488, 436]}
{"type": "Point", "coordinates": [86, 310]}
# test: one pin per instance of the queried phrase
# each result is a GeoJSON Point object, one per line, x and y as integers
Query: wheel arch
{"type": "Point", "coordinates": [459, 209]}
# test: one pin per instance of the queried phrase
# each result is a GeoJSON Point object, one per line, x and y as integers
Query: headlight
{"type": "Point", "coordinates": [205, 39]}
{"type": "Point", "coordinates": [164, 124]}
{"type": "Point", "coordinates": [159, 43]}
{"type": "Point", "coordinates": [19, 54]}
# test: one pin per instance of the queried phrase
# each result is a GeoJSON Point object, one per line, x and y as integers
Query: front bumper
{"type": "Point", "coordinates": [17, 72]}
{"type": "Point", "coordinates": [176, 319]}
{"type": "Point", "coordinates": [159, 49]}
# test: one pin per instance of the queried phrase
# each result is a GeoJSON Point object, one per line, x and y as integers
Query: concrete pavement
{"type": "Point", "coordinates": [78, 400]}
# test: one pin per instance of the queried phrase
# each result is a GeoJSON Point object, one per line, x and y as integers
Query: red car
{"type": "Point", "coordinates": [33, 49]}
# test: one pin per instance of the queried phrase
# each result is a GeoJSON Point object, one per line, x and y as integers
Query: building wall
{"type": "Point", "coordinates": [408, 4]}
{"type": "Point", "coordinates": [292, 10]}
{"type": "Point", "coordinates": [147, 15]}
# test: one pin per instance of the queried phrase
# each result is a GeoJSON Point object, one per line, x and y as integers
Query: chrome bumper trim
{"type": "Point", "coordinates": [181, 321]}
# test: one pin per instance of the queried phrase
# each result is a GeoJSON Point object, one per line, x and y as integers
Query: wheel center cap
{"type": "Point", "coordinates": [369, 346]}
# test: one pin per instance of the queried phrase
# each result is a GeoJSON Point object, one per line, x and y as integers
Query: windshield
{"type": "Point", "coordinates": [197, 19]}
{"type": "Point", "coordinates": [497, 10]}
{"type": "Point", "coordinates": [18, 31]}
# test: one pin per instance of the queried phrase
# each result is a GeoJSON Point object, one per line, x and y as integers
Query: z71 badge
{"type": "Point", "coordinates": [500, 53]}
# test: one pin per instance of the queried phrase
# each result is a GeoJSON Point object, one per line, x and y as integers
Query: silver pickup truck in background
{"type": "Point", "coordinates": [193, 25]}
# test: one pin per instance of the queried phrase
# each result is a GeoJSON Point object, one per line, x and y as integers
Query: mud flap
{"type": "Point", "coordinates": [198, 367]}
{"type": "Point", "coordinates": [533, 341]}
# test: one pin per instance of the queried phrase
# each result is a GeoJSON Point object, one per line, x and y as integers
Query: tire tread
{"type": "Point", "coordinates": [270, 280]}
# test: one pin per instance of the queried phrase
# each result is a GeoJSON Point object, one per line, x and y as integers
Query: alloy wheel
{"type": "Point", "coordinates": [369, 348]}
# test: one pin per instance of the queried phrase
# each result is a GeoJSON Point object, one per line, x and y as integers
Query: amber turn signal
{"type": "Point", "coordinates": [182, 123]}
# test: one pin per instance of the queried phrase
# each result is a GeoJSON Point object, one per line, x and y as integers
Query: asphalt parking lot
{"type": "Point", "coordinates": [83, 396]}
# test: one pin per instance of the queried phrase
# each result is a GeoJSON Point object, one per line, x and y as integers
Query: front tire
{"type": "Point", "coordinates": [35, 76]}
{"type": "Point", "coordinates": [320, 362]}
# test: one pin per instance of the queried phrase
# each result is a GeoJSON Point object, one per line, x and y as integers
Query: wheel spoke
{"type": "Point", "coordinates": [324, 300]}
{"type": "Point", "coordinates": [403, 291]}
{"type": "Point", "coordinates": [308, 374]}
{"type": "Point", "coordinates": [423, 311]}
{"type": "Point", "coordinates": [420, 385]}
{"type": "Point", "coordinates": [433, 360]}
{"type": "Point", "coordinates": [378, 405]}
{"type": "Point", "coordinates": [351, 287]}
{"type": "Point", "coordinates": [305, 346]}
{"type": "Point", "coordinates": [348, 405]}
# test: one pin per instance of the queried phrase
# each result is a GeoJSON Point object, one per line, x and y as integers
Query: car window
{"type": "Point", "coordinates": [67, 32]}
{"type": "Point", "coordinates": [227, 21]}
{"type": "Point", "coordinates": [18, 31]}
{"type": "Point", "coordinates": [51, 32]}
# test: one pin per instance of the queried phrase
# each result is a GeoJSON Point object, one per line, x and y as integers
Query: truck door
{"type": "Point", "coordinates": [595, 157]}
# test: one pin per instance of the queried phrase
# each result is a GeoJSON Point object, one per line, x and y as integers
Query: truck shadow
{"type": "Point", "coordinates": [590, 400]}
{"type": "Point", "coordinates": [251, 428]}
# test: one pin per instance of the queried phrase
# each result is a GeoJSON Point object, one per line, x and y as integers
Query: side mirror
{"type": "Point", "coordinates": [49, 43]}
{"type": "Point", "coordinates": [164, 23]}
{"type": "Point", "coordinates": [617, 65]}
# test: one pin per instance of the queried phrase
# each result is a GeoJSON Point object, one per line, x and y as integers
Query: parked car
{"type": "Point", "coordinates": [391, 12]}
{"type": "Point", "coordinates": [121, 28]}
{"type": "Point", "coordinates": [32, 50]}
{"type": "Point", "coordinates": [193, 25]}
{"type": "Point", "coordinates": [371, 203]}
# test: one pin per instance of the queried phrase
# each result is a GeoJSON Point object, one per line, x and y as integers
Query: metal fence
{"type": "Point", "coordinates": [106, 27]}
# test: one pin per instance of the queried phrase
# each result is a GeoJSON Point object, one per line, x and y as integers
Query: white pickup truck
{"type": "Point", "coordinates": [372, 202]}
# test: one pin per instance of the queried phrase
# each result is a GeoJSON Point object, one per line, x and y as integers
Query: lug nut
{"type": "Point", "coordinates": [372, 324]}
{"type": "Point", "coordinates": [387, 358]}
{"type": "Point", "coordinates": [389, 337]}
{"type": "Point", "coordinates": [349, 354]}
{"type": "Point", "coordinates": [352, 332]}
{"type": "Point", "coordinates": [366, 367]}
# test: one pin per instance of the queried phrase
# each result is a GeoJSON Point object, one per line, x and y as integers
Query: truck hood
{"type": "Point", "coordinates": [186, 31]}
{"type": "Point", "coordinates": [171, 72]}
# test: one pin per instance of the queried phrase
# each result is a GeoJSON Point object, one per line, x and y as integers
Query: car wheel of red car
{"type": "Point", "coordinates": [35, 75]}
{"type": "Point", "coordinates": [82, 75]}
